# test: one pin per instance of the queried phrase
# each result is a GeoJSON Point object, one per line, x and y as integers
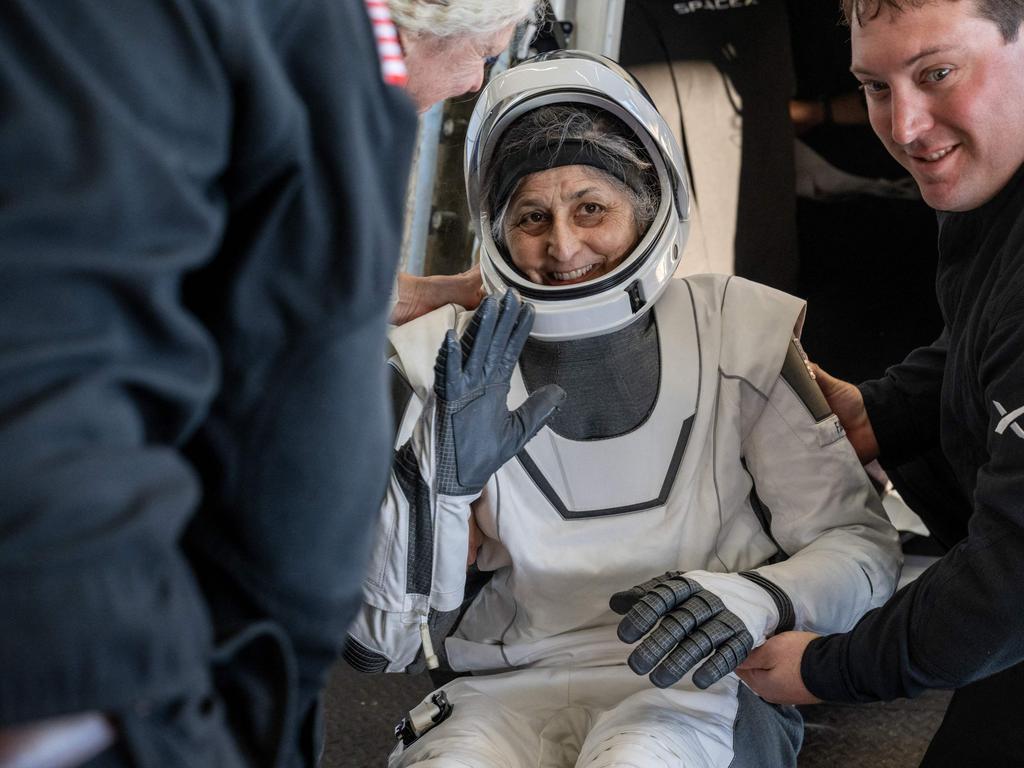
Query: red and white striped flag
{"type": "Point", "coordinates": [392, 62]}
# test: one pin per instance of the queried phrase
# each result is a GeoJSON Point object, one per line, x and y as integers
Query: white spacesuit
{"type": "Point", "coordinates": [735, 476]}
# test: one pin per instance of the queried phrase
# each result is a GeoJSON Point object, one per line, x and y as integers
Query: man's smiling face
{"type": "Point", "coordinates": [945, 94]}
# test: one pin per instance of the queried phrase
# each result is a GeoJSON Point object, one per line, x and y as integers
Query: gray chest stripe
{"type": "Point", "coordinates": [571, 514]}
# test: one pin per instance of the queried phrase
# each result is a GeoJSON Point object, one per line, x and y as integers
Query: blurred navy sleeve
{"type": "Point", "coordinates": [200, 213]}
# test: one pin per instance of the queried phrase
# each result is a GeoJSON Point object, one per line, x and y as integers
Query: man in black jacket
{"type": "Point", "coordinates": [946, 97]}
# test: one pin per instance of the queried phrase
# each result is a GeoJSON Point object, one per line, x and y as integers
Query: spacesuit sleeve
{"type": "Point", "coordinates": [416, 579]}
{"type": "Point", "coordinates": [843, 556]}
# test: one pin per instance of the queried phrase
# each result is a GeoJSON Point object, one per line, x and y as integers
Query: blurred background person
{"type": "Point", "coordinates": [447, 47]}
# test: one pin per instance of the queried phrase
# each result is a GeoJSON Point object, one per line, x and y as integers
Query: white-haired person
{"type": "Point", "coordinates": [446, 46]}
{"type": "Point", "coordinates": [612, 427]}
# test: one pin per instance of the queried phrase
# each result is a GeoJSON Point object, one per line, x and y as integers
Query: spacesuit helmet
{"type": "Point", "coordinates": [596, 86]}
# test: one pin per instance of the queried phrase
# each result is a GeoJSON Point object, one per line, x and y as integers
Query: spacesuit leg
{"type": "Point", "coordinates": [665, 728]}
{"type": "Point", "coordinates": [481, 732]}
{"type": "Point", "coordinates": [676, 728]}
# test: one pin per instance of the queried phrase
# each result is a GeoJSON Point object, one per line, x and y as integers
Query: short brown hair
{"type": "Point", "coordinates": [1005, 14]}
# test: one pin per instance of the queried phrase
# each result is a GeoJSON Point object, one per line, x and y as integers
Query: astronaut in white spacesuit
{"type": "Point", "coordinates": [613, 427]}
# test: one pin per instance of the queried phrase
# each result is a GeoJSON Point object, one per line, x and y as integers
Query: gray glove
{"type": "Point", "coordinates": [696, 623]}
{"type": "Point", "coordinates": [476, 433]}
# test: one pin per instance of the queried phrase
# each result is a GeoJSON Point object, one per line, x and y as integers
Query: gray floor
{"type": "Point", "coordinates": [362, 710]}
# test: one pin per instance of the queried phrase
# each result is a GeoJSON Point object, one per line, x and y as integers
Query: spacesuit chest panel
{"type": "Point", "coordinates": [637, 469]}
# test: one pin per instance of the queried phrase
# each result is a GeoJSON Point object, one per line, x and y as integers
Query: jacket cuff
{"type": "Point", "coordinates": [823, 669]}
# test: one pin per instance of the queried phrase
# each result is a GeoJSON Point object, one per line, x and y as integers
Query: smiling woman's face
{"type": "Point", "coordinates": [568, 225]}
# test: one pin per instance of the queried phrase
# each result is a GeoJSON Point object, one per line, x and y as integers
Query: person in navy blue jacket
{"type": "Point", "coordinates": [200, 210]}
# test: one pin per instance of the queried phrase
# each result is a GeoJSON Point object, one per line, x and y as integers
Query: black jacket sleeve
{"type": "Point", "coordinates": [961, 620]}
{"type": "Point", "coordinates": [904, 404]}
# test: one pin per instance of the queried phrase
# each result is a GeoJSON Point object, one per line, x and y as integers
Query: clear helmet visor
{"type": "Point", "coordinates": [614, 299]}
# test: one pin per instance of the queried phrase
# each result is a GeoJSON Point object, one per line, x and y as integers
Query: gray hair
{"type": "Point", "coordinates": [549, 127]}
{"type": "Point", "coordinates": [452, 18]}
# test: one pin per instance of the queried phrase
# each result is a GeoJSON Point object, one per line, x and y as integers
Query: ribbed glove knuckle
{"type": "Point", "coordinates": [665, 578]}
{"type": "Point", "coordinates": [717, 632]}
{"type": "Point", "coordinates": [734, 622]}
{"type": "Point", "coordinates": [747, 640]}
{"type": "Point", "coordinates": [681, 588]}
{"type": "Point", "coordinates": [685, 619]}
{"type": "Point", "coordinates": [700, 643]}
{"type": "Point", "coordinates": [740, 647]}
{"type": "Point", "coordinates": [702, 607]}
{"type": "Point", "coordinates": [660, 642]}
{"type": "Point", "coordinates": [662, 598]}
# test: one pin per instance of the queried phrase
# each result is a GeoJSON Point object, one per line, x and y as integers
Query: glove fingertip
{"type": "Point", "coordinates": [554, 395]}
{"type": "Point", "coordinates": [621, 602]}
{"type": "Point", "coordinates": [705, 677]}
{"type": "Point", "coordinates": [628, 631]}
{"type": "Point", "coordinates": [640, 662]}
{"type": "Point", "coordinates": [662, 678]}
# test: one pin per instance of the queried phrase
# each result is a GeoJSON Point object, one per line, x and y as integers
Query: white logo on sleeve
{"type": "Point", "coordinates": [1009, 420]}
